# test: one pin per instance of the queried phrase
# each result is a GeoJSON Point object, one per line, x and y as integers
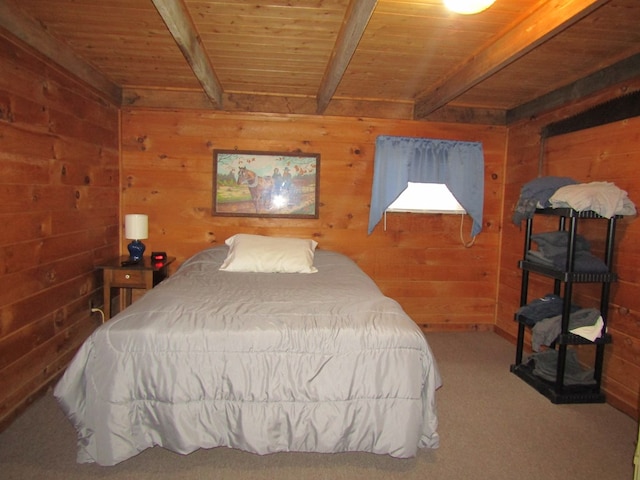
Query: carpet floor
{"type": "Point", "coordinates": [492, 426]}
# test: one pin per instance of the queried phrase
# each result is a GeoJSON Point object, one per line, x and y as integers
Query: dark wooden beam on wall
{"type": "Point", "coordinates": [548, 20]}
{"type": "Point", "coordinates": [272, 104]}
{"type": "Point", "coordinates": [620, 72]}
{"type": "Point", "coordinates": [355, 21]}
{"type": "Point", "coordinates": [480, 116]}
{"type": "Point", "coordinates": [34, 34]}
{"type": "Point", "coordinates": [175, 16]}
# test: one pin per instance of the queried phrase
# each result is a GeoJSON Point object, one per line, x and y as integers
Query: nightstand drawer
{"type": "Point", "coordinates": [129, 277]}
{"type": "Point", "coordinates": [143, 275]}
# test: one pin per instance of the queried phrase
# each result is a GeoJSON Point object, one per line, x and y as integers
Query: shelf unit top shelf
{"type": "Point", "coordinates": [569, 212]}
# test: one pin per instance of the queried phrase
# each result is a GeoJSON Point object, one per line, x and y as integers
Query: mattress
{"type": "Point", "coordinates": [262, 362]}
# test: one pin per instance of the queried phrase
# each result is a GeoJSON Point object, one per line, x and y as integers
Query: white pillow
{"type": "Point", "coordinates": [258, 253]}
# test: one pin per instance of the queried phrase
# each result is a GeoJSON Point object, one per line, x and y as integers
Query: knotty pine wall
{"type": "Point", "coordinates": [60, 198]}
{"type": "Point", "coordinates": [167, 173]}
{"type": "Point", "coordinates": [59, 203]}
{"type": "Point", "coordinates": [605, 153]}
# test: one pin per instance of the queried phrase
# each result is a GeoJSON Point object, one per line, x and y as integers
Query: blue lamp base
{"type": "Point", "coordinates": [136, 249]}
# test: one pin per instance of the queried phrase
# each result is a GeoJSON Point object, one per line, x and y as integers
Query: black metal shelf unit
{"type": "Point", "coordinates": [557, 391]}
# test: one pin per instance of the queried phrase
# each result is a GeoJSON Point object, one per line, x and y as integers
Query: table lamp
{"type": "Point", "coordinates": [136, 228]}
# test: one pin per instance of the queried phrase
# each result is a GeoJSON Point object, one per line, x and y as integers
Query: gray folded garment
{"type": "Point", "coordinates": [553, 248]}
{"type": "Point", "coordinates": [540, 308]}
{"type": "Point", "coordinates": [546, 367]}
{"type": "Point", "coordinates": [538, 257]}
{"type": "Point", "coordinates": [583, 262]}
{"type": "Point", "coordinates": [536, 193]}
{"type": "Point", "coordinates": [547, 330]}
{"type": "Point", "coordinates": [556, 242]}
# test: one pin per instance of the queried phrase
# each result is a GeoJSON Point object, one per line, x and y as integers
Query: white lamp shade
{"type": "Point", "coordinates": [468, 7]}
{"type": "Point", "coordinates": [136, 226]}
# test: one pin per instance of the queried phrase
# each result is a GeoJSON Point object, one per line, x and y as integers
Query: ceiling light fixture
{"type": "Point", "coordinates": [468, 7]}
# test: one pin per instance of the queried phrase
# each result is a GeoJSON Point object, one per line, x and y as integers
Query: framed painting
{"type": "Point", "coordinates": [265, 184]}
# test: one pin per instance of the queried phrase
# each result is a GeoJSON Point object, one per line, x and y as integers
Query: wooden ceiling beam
{"type": "Point", "coordinates": [551, 18]}
{"type": "Point", "coordinates": [175, 16]}
{"type": "Point", "coordinates": [622, 71]}
{"type": "Point", "coordinates": [355, 21]}
{"type": "Point", "coordinates": [34, 34]}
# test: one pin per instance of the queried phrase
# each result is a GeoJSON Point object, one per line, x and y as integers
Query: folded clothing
{"type": "Point", "coordinates": [553, 248]}
{"type": "Point", "coordinates": [583, 262]}
{"type": "Point", "coordinates": [545, 365]}
{"type": "Point", "coordinates": [556, 242]}
{"type": "Point", "coordinates": [604, 198]}
{"type": "Point", "coordinates": [590, 332]}
{"type": "Point", "coordinates": [538, 257]}
{"type": "Point", "coordinates": [536, 193]}
{"type": "Point", "coordinates": [536, 310]}
{"type": "Point", "coordinates": [546, 331]}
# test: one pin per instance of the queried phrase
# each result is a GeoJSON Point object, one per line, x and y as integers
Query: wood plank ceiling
{"type": "Point", "coordinates": [382, 58]}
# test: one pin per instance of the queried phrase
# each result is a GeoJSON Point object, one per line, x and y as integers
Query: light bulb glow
{"type": "Point", "coordinates": [468, 7]}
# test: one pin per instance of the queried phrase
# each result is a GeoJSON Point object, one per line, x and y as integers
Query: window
{"type": "Point", "coordinates": [426, 198]}
{"type": "Point", "coordinates": [400, 161]}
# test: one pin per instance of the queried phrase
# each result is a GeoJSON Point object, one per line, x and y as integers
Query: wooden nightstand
{"type": "Point", "coordinates": [144, 275]}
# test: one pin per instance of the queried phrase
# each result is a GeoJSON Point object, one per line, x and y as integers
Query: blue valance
{"type": "Point", "coordinates": [400, 160]}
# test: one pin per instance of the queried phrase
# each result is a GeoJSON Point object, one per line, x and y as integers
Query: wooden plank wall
{"type": "Point", "coordinates": [605, 153]}
{"type": "Point", "coordinates": [59, 213]}
{"type": "Point", "coordinates": [167, 168]}
{"type": "Point", "coordinates": [60, 201]}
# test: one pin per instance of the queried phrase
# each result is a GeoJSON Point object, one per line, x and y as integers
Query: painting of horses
{"type": "Point", "coordinates": [265, 184]}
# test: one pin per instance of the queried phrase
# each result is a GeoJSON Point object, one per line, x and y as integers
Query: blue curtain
{"type": "Point", "coordinates": [400, 160]}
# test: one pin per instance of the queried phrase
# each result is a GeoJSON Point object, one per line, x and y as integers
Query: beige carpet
{"type": "Point", "coordinates": [492, 426]}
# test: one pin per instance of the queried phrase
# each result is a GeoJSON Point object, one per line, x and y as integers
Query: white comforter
{"type": "Point", "coordinates": [261, 362]}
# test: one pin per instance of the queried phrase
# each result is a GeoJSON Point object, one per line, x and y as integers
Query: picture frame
{"type": "Point", "coordinates": [250, 183]}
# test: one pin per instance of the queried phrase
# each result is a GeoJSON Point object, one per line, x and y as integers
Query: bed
{"type": "Point", "coordinates": [260, 361]}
